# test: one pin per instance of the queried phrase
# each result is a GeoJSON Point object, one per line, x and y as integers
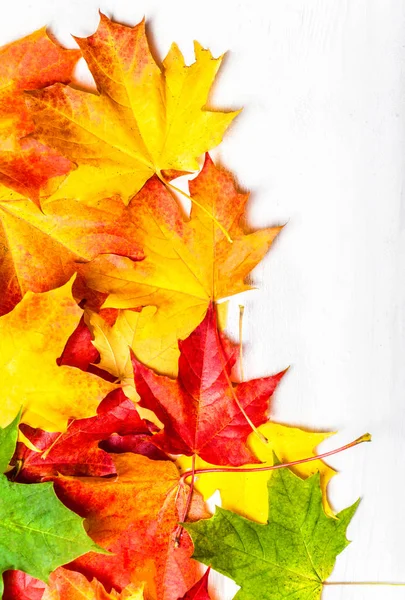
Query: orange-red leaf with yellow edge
{"type": "Point", "coordinates": [188, 264]}
{"type": "Point", "coordinates": [41, 250]}
{"type": "Point", "coordinates": [146, 119]}
{"type": "Point", "coordinates": [135, 516]}
{"type": "Point", "coordinates": [63, 585]}
{"type": "Point", "coordinates": [200, 410]}
{"type": "Point", "coordinates": [29, 63]}
{"type": "Point", "coordinates": [69, 585]}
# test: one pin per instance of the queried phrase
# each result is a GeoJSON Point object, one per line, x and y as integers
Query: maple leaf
{"type": "Point", "coordinates": [199, 591]}
{"type": "Point", "coordinates": [32, 337]}
{"type": "Point", "coordinates": [291, 556]}
{"type": "Point", "coordinates": [69, 585]}
{"type": "Point", "coordinates": [20, 586]}
{"type": "Point", "coordinates": [144, 120]}
{"type": "Point", "coordinates": [246, 493]}
{"type": "Point", "coordinates": [41, 250]}
{"type": "Point", "coordinates": [38, 532]}
{"type": "Point", "coordinates": [76, 451]}
{"type": "Point", "coordinates": [188, 264]}
{"type": "Point", "coordinates": [27, 64]}
{"type": "Point", "coordinates": [63, 585]}
{"type": "Point", "coordinates": [201, 409]}
{"type": "Point", "coordinates": [135, 516]}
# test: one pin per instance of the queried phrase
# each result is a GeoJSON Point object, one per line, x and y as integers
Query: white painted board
{"type": "Point", "coordinates": [321, 146]}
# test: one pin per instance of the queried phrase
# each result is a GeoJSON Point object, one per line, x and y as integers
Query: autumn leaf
{"type": "Point", "coordinates": [69, 585]}
{"type": "Point", "coordinates": [246, 493]}
{"type": "Point", "coordinates": [41, 250]}
{"type": "Point", "coordinates": [144, 120]}
{"type": "Point", "coordinates": [33, 62]}
{"type": "Point", "coordinates": [76, 451]}
{"type": "Point", "coordinates": [135, 515]}
{"type": "Point", "coordinates": [63, 585]}
{"type": "Point", "coordinates": [201, 410]}
{"type": "Point", "coordinates": [8, 441]}
{"type": "Point", "coordinates": [20, 586]}
{"type": "Point", "coordinates": [188, 264]}
{"type": "Point", "coordinates": [32, 337]}
{"type": "Point", "coordinates": [38, 533]}
{"type": "Point", "coordinates": [290, 556]}
{"type": "Point", "coordinates": [199, 591]}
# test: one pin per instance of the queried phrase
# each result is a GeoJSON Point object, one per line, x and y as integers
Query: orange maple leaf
{"type": "Point", "coordinates": [41, 250]}
{"type": "Point", "coordinates": [27, 64]}
{"type": "Point", "coordinates": [135, 515]}
{"type": "Point", "coordinates": [145, 119]}
{"type": "Point", "coordinates": [189, 263]}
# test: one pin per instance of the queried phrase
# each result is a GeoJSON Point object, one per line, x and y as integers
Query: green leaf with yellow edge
{"type": "Point", "coordinates": [37, 532]}
{"type": "Point", "coordinates": [32, 337]}
{"type": "Point", "coordinates": [246, 493]}
{"type": "Point", "coordinates": [288, 557]}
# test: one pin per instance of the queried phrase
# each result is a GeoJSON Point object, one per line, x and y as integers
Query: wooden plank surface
{"type": "Point", "coordinates": [321, 146]}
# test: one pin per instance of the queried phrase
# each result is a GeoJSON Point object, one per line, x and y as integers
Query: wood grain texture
{"type": "Point", "coordinates": [321, 145]}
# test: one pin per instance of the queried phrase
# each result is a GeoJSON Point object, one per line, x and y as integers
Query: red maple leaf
{"type": "Point", "coordinates": [201, 409]}
{"type": "Point", "coordinates": [199, 591]}
{"type": "Point", "coordinates": [77, 451]}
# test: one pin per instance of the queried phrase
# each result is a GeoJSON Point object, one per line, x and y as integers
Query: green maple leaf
{"type": "Point", "coordinates": [290, 556]}
{"type": "Point", "coordinates": [37, 532]}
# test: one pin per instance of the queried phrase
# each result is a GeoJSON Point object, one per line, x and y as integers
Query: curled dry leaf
{"type": "Point", "coordinates": [33, 62]}
{"type": "Point", "coordinates": [32, 337]}
{"type": "Point", "coordinates": [201, 410]}
{"type": "Point", "coordinates": [144, 119]}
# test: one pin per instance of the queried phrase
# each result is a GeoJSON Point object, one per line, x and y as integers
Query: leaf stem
{"type": "Point", "coordinates": [364, 438]}
{"type": "Point", "coordinates": [241, 312]}
{"type": "Point", "coordinates": [194, 201]}
{"type": "Point", "coordinates": [363, 583]}
{"type": "Point", "coordinates": [179, 530]}
{"type": "Point", "coordinates": [261, 437]}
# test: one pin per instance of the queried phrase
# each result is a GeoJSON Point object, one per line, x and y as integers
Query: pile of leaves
{"type": "Point", "coordinates": [123, 407]}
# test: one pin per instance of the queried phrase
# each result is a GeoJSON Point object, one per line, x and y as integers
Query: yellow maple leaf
{"type": "Point", "coordinates": [32, 337]}
{"type": "Point", "coordinates": [246, 493]}
{"type": "Point", "coordinates": [70, 585]}
{"type": "Point", "coordinates": [188, 263]}
{"type": "Point", "coordinates": [144, 120]}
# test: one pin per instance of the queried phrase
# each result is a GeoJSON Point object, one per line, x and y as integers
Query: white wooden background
{"type": "Point", "coordinates": [321, 145]}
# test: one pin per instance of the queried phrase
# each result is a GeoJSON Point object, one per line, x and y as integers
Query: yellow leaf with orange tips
{"type": "Point", "coordinates": [188, 264]}
{"type": "Point", "coordinates": [32, 337]}
{"type": "Point", "coordinates": [69, 585]}
{"type": "Point", "coordinates": [144, 120]}
{"type": "Point", "coordinates": [246, 493]}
